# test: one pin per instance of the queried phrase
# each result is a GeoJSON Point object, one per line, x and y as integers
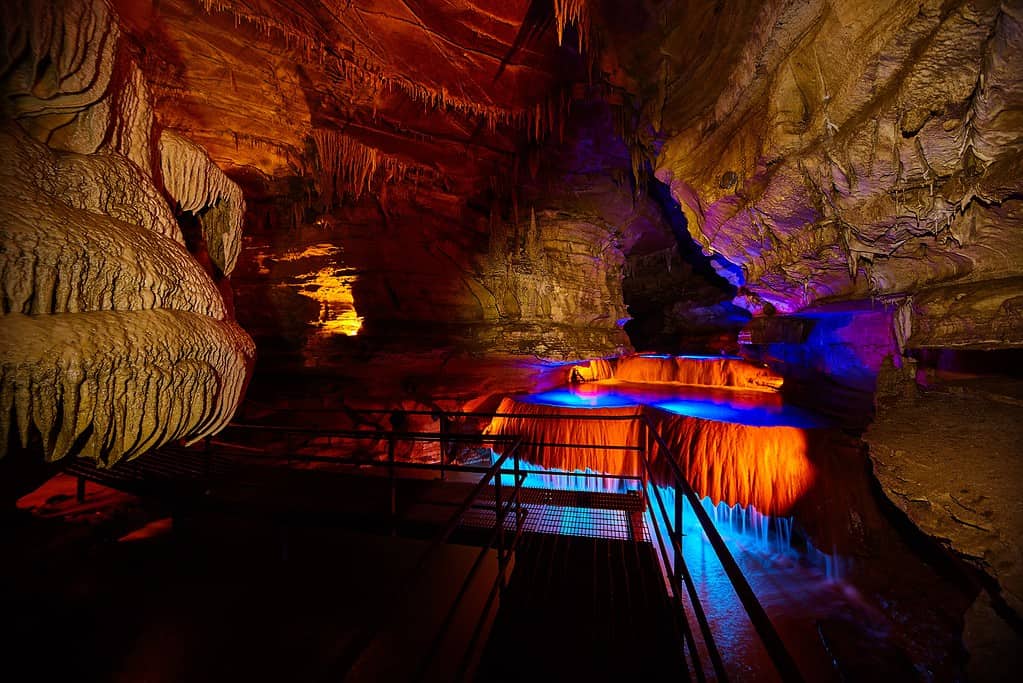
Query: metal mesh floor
{"type": "Point", "coordinates": [563, 520]}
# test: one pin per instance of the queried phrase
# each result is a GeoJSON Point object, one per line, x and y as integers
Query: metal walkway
{"type": "Point", "coordinates": [583, 587]}
{"type": "Point", "coordinates": [586, 609]}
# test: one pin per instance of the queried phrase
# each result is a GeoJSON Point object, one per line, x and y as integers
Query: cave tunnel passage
{"type": "Point", "coordinates": [677, 299]}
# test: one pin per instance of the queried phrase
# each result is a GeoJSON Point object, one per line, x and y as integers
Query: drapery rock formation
{"type": "Point", "coordinates": [113, 339]}
{"type": "Point", "coordinates": [199, 187]}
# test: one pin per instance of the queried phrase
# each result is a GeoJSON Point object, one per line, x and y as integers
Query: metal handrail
{"type": "Point", "coordinates": [681, 571]}
{"type": "Point", "coordinates": [773, 643]}
{"type": "Point", "coordinates": [470, 413]}
{"type": "Point", "coordinates": [681, 621]}
{"type": "Point", "coordinates": [503, 554]}
{"type": "Point", "coordinates": [365, 636]}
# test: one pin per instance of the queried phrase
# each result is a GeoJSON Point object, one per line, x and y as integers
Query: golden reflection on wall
{"type": "Point", "coordinates": [331, 287]}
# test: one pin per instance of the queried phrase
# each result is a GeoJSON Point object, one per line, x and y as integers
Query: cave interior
{"type": "Point", "coordinates": [297, 292]}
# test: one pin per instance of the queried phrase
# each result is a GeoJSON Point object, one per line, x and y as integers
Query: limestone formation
{"type": "Point", "coordinates": [199, 187]}
{"type": "Point", "coordinates": [113, 339]}
{"type": "Point", "coordinates": [57, 63]}
{"type": "Point", "coordinates": [950, 460]}
{"type": "Point", "coordinates": [545, 180]}
{"type": "Point", "coordinates": [113, 384]}
{"type": "Point", "coordinates": [862, 150]}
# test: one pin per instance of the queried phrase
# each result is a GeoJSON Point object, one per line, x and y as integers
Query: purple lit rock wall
{"type": "Point", "coordinates": [844, 343]}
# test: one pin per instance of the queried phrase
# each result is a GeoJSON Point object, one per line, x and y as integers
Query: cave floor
{"type": "Point", "coordinates": [203, 595]}
{"type": "Point", "coordinates": [952, 461]}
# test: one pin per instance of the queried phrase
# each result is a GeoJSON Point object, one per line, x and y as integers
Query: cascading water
{"type": "Point", "coordinates": [714, 371]}
{"type": "Point", "coordinates": [739, 446]}
{"type": "Point", "coordinates": [790, 498]}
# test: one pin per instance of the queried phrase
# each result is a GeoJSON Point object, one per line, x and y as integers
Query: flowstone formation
{"type": "Point", "coordinates": [113, 339]}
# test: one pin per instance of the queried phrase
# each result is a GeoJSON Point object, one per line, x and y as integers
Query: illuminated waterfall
{"type": "Point", "coordinates": [714, 371]}
{"type": "Point", "coordinates": [533, 423]}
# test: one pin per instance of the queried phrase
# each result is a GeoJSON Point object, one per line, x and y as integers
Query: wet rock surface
{"type": "Point", "coordinates": [951, 458]}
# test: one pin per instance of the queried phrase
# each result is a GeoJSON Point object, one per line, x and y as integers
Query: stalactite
{"type": "Point", "coordinates": [573, 12]}
{"type": "Point", "coordinates": [367, 75]}
{"type": "Point", "coordinates": [348, 167]}
{"type": "Point", "coordinates": [113, 384]}
{"type": "Point", "coordinates": [199, 186]}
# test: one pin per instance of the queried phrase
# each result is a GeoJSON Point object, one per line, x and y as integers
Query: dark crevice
{"type": "Point", "coordinates": [685, 304]}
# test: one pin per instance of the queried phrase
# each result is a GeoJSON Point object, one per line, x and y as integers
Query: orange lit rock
{"type": "Point", "coordinates": [718, 372]}
{"type": "Point", "coordinates": [594, 370]}
{"type": "Point", "coordinates": [767, 467]}
{"type": "Point", "coordinates": [530, 422]}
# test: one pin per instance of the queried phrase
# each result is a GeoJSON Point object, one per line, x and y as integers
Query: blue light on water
{"type": "Point", "coordinates": [538, 477]}
{"type": "Point", "coordinates": [705, 403]}
{"type": "Point", "coordinates": [759, 416]}
{"type": "Point", "coordinates": [572, 398]}
{"type": "Point", "coordinates": [748, 534]}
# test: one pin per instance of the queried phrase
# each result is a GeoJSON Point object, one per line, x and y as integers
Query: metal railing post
{"type": "Point", "coordinates": [677, 523]}
{"type": "Point", "coordinates": [518, 492]}
{"type": "Point", "coordinates": [442, 427]}
{"type": "Point", "coordinates": [646, 457]}
{"type": "Point", "coordinates": [500, 528]}
{"type": "Point", "coordinates": [391, 483]}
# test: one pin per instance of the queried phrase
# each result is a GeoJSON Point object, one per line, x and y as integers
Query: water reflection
{"type": "Point", "coordinates": [757, 408]}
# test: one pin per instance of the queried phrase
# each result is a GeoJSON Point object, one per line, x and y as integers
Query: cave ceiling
{"type": "Point", "coordinates": [818, 150]}
{"type": "Point", "coordinates": [443, 94]}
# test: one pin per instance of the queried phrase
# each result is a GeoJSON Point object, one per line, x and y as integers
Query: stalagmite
{"type": "Point", "coordinates": [112, 384]}
{"type": "Point", "coordinates": [199, 186]}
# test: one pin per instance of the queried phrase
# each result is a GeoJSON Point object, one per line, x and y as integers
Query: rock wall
{"type": "Point", "coordinates": [949, 459]}
{"type": "Point", "coordinates": [549, 286]}
{"type": "Point", "coordinates": [537, 270]}
{"type": "Point", "coordinates": [852, 149]}
{"type": "Point", "coordinates": [113, 339]}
